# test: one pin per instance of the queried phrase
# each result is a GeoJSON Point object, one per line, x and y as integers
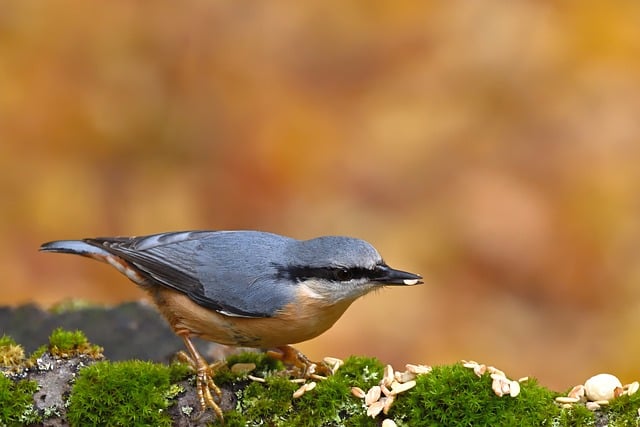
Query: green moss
{"type": "Point", "coordinates": [16, 402]}
{"type": "Point", "coordinates": [6, 340]}
{"type": "Point", "coordinates": [64, 343]}
{"type": "Point", "coordinates": [329, 403]}
{"type": "Point", "coordinates": [268, 402]}
{"type": "Point", "coordinates": [455, 396]}
{"type": "Point", "coordinates": [265, 366]}
{"type": "Point", "coordinates": [576, 416]}
{"type": "Point", "coordinates": [363, 372]}
{"type": "Point", "coordinates": [623, 411]}
{"type": "Point", "coordinates": [179, 371]}
{"type": "Point", "coordinates": [122, 393]}
{"type": "Point", "coordinates": [11, 353]}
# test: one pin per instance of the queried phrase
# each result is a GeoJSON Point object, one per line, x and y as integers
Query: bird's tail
{"type": "Point", "coordinates": [78, 247]}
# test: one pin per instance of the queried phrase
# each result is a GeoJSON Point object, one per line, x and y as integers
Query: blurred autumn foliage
{"type": "Point", "coordinates": [494, 147]}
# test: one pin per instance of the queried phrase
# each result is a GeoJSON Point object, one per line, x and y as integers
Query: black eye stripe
{"type": "Point", "coordinates": [300, 273]}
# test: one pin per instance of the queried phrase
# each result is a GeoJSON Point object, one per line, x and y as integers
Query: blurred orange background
{"type": "Point", "coordinates": [493, 147]}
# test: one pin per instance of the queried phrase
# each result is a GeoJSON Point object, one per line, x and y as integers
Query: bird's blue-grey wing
{"type": "Point", "coordinates": [230, 272]}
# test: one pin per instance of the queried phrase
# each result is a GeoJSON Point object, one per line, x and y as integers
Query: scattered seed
{"type": "Point", "coordinates": [418, 369]}
{"type": "Point", "coordinates": [494, 370]}
{"type": "Point", "coordinates": [388, 401]}
{"type": "Point", "coordinates": [566, 399]}
{"type": "Point", "coordinates": [496, 386]}
{"type": "Point", "coordinates": [403, 377]}
{"type": "Point", "coordinates": [375, 408]}
{"type": "Point", "coordinates": [358, 392]}
{"type": "Point", "coordinates": [311, 385]}
{"type": "Point", "coordinates": [633, 388]}
{"type": "Point", "coordinates": [397, 388]}
{"type": "Point", "coordinates": [242, 368]}
{"type": "Point", "coordinates": [388, 375]}
{"type": "Point", "coordinates": [479, 370]}
{"type": "Point", "coordinates": [602, 402]}
{"type": "Point", "coordinates": [373, 395]}
{"type": "Point", "coordinates": [334, 363]}
{"type": "Point", "coordinates": [514, 388]}
{"type": "Point", "coordinates": [567, 406]}
{"type": "Point", "coordinates": [592, 406]}
{"type": "Point", "coordinates": [523, 379]}
{"type": "Point", "coordinates": [577, 391]}
{"type": "Point", "coordinates": [258, 379]}
{"type": "Point", "coordinates": [299, 392]}
{"type": "Point", "coordinates": [317, 377]}
{"type": "Point", "coordinates": [385, 390]}
{"type": "Point", "coordinates": [389, 423]}
{"type": "Point", "coordinates": [298, 380]}
{"type": "Point", "coordinates": [601, 387]}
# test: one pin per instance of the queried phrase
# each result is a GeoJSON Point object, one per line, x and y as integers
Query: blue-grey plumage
{"type": "Point", "coordinates": [244, 288]}
{"type": "Point", "coordinates": [246, 273]}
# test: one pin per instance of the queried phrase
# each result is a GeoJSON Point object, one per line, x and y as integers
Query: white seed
{"type": "Point", "coordinates": [317, 377]}
{"type": "Point", "coordinates": [479, 370]}
{"type": "Point", "coordinates": [523, 379]}
{"type": "Point", "coordinates": [506, 386]}
{"type": "Point", "coordinates": [418, 369]}
{"type": "Point", "coordinates": [397, 388]}
{"type": "Point", "coordinates": [617, 392]}
{"type": "Point", "coordinates": [299, 392]}
{"type": "Point", "coordinates": [257, 379]}
{"type": "Point", "coordinates": [602, 402]}
{"type": "Point", "coordinates": [375, 408]}
{"type": "Point", "coordinates": [358, 392]}
{"type": "Point", "coordinates": [332, 360]}
{"type": "Point", "coordinates": [639, 412]}
{"type": "Point", "coordinates": [601, 387]}
{"type": "Point", "coordinates": [494, 370]}
{"type": "Point", "coordinates": [311, 385]}
{"type": "Point", "coordinates": [592, 406]}
{"type": "Point", "coordinates": [566, 406]}
{"type": "Point", "coordinates": [403, 377]}
{"type": "Point", "coordinates": [242, 368]}
{"type": "Point", "coordinates": [633, 388]}
{"type": "Point", "coordinates": [496, 386]}
{"type": "Point", "coordinates": [514, 388]}
{"type": "Point", "coordinates": [566, 399]}
{"type": "Point", "coordinates": [385, 390]}
{"type": "Point", "coordinates": [471, 365]}
{"type": "Point", "coordinates": [373, 395]}
{"type": "Point", "coordinates": [388, 377]}
{"type": "Point", "coordinates": [298, 380]}
{"type": "Point", "coordinates": [388, 401]}
{"type": "Point", "coordinates": [577, 391]}
{"type": "Point", "coordinates": [389, 423]}
{"type": "Point", "coordinates": [334, 363]}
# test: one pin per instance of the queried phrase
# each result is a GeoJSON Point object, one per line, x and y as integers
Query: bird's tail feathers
{"type": "Point", "coordinates": [78, 247]}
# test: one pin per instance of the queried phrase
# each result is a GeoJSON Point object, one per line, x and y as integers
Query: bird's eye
{"type": "Point", "coordinates": [343, 275]}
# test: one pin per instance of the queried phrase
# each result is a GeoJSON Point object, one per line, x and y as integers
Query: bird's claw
{"type": "Point", "coordinates": [295, 358]}
{"type": "Point", "coordinates": [204, 382]}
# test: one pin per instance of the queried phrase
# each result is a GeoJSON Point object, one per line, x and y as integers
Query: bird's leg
{"type": "Point", "coordinates": [291, 356]}
{"type": "Point", "coordinates": [204, 376]}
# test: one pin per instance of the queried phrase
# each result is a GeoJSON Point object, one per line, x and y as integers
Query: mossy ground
{"type": "Point", "coordinates": [140, 393]}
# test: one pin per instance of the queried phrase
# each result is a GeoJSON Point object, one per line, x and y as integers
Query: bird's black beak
{"type": "Point", "coordinates": [386, 275]}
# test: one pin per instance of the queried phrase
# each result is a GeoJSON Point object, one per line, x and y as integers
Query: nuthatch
{"type": "Point", "coordinates": [244, 288]}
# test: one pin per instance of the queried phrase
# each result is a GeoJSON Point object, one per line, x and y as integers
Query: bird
{"type": "Point", "coordinates": [243, 287]}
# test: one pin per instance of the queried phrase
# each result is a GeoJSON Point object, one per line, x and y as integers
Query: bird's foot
{"type": "Point", "coordinates": [300, 363]}
{"type": "Point", "coordinates": [204, 382]}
